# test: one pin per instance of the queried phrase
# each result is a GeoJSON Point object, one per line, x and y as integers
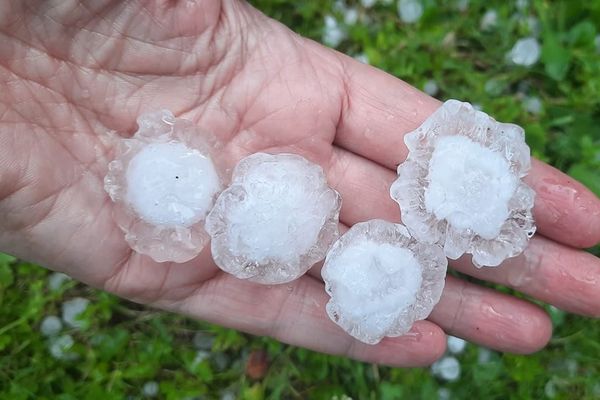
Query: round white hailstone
{"type": "Point", "coordinates": [484, 355]}
{"type": "Point", "coordinates": [533, 105]}
{"type": "Point", "coordinates": [203, 341]}
{"type": "Point", "coordinates": [444, 394]}
{"type": "Point", "coordinates": [333, 33]}
{"type": "Point", "coordinates": [381, 280]}
{"type": "Point", "coordinates": [522, 4]}
{"type": "Point", "coordinates": [461, 185]}
{"type": "Point", "coordinates": [72, 309]}
{"type": "Point", "coordinates": [462, 5]}
{"type": "Point", "coordinates": [60, 347]}
{"type": "Point", "coordinates": [56, 280]}
{"type": "Point", "coordinates": [597, 43]}
{"type": "Point", "coordinates": [51, 325]}
{"type": "Point", "coordinates": [150, 389]}
{"type": "Point", "coordinates": [227, 395]}
{"type": "Point", "coordinates": [525, 52]}
{"type": "Point", "coordinates": [362, 57]}
{"type": "Point", "coordinates": [368, 3]}
{"type": "Point", "coordinates": [164, 181]}
{"type": "Point", "coordinates": [489, 20]}
{"type": "Point", "coordinates": [431, 88]}
{"type": "Point", "coordinates": [350, 16]}
{"type": "Point", "coordinates": [410, 11]}
{"type": "Point", "coordinates": [275, 221]}
{"type": "Point", "coordinates": [456, 345]}
{"type": "Point", "coordinates": [448, 369]}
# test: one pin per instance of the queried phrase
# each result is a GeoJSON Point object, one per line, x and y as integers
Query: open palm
{"type": "Point", "coordinates": [73, 78]}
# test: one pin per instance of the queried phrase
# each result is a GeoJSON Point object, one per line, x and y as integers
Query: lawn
{"type": "Point", "coordinates": [454, 49]}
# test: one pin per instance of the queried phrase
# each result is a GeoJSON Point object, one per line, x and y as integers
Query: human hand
{"type": "Point", "coordinates": [71, 73]}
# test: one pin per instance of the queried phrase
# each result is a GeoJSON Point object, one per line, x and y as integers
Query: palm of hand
{"type": "Point", "coordinates": [282, 94]}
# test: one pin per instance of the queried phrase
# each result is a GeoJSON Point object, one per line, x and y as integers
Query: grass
{"type": "Point", "coordinates": [121, 346]}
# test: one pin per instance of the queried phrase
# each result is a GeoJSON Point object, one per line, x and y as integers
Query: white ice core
{"type": "Point", "coordinates": [374, 282]}
{"type": "Point", "coordinates": [381, 280]}
{"type": "Point", "coordinates": [470, 186]}
{"type": "Point", "coordinates": [171, 184]}
{"type": "Point", "coordinates": [276, 219]}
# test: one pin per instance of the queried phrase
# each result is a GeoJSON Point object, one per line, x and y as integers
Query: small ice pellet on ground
{"type": "Point", "coordinates": [431, 88]}
{"type": "Point", "coordinates": [350, 16]}
{"type": "Point", "coordinates": [275, 221]}
{"type": "Point", "coordinates": [381, 280]}
{"type": "Point", "coordinates": [203, 341]}
{"type": "Point", "coordinates": [362, 57]}
{"type": "Point", "coordinates": [525, 52]}
{"type": "Point", "coordinates": [228, 395]}
{"type": "Point", "coordinates": [484, 355]}
{"type": "Point", "coordinates": [444, 394]}
{"type": "Point", "coordinates": [489, 20]}
{"type": "Point", "coordinates": [201, 355]}
{"type": "Point", "coordinates": [456, 345]}
{"type": "Point", "coordinates": [51, 325]}
{"type": "Point", "coordinates": [410, 11]}
{"type": "Point", "coordinates": [163, 182]}
{"type": "Point", "coordinates": [462, 5]}
{"type": "Point", "coordinates": [533, 104]}
{"type": "Point", "coordinates": [72, 309]}
{"type": "Point", "coordinates": [333, 33]}
{"type": "Point", "coordinates": [522, 4]}
{"type": "Point", "coordinates": [448, 369]}
{"type": "Point", "coordinates": [461, 185]}
{"type": "Point", "coordinates": [150, 389]}
{"type": "Point", "coordinates": [56, 280]}
{"type": "Point", "coordinates": [597, 43]}
{"type": "Point", "coordinates": [368, 3]}
{"type": "Point", "coordinates": [60, 347]}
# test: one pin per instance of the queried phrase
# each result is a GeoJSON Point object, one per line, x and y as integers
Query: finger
{"type": "Point", "coordinates": [294, 313]}
{"type": "Point", "coordinates": [490, 318]}
{"type": "Point", "coordinates": [381, 109]}
{"type": "Point", "coordinates": [562, 276]}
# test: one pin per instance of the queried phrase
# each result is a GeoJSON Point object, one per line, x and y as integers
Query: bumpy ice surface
{"type": "Point", "coordinates": [381, 280]}
{"type": "Point", "coordinates": [164, 182]}
{"type": "Point", "coordinates": [461, 185]}
{"type": "Point", "coordinates": [275, 221]}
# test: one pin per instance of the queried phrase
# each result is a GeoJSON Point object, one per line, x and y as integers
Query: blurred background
{"type": "Point", "coordinates": [535, 63]}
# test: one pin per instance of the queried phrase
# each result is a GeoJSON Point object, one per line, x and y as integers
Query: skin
{"type": "Point", "coordinates": [75, 75]}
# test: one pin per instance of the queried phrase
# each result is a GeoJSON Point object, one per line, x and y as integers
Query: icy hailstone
{"type": "Point", "coordinates": [525, 52]}
{"type": "Point", "coordinates": [275, 221]}
{"type": "Point", "coordinates": [164, 182]}
{"type": "Point", "coordinates": [461, 185]}
{"type": "Point", "coordinates": [381, 280]}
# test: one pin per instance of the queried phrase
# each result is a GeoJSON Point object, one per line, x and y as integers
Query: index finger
{"type": "Point", "coordinates": [380, 109]}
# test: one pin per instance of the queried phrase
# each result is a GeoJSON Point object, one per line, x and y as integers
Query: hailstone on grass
{"type": "Point", "coordinates": [164, 181]}
{"type": "Point", "coordinates": [461, 185]}
{"type": "Point", "coordinates": [381, 280]}
{"type": "Point", "coordinates": [275, 221]}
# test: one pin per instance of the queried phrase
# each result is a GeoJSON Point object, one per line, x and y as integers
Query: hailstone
{"type": "Point", "coordinates": [164, 181]}
{"type": "Point", "coordinates": [381, 280]}
{"type": "Point", "coordinates": [277, 219]}
{"type": "Point", "coordinates": [461, 185]}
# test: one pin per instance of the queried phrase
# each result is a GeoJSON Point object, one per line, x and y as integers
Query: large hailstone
{"type": "Point", "coordinates": [461, 185]}
{"type": "Point", "coordinates": [164, 181]}
{"type": "Point", "coordinates": [381, 280]}
{"type": "Point", "coordinates": [275, 221]}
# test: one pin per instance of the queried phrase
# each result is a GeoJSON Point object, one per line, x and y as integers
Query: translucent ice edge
{"type": "Point", "coordinates": [163, 181]}
{"type": "Point", "coordinates": [381, 280]}
{"type": "Point", "coordinates": [275, 221]}
{"type": "Point", "coordinates": [461, 185]}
